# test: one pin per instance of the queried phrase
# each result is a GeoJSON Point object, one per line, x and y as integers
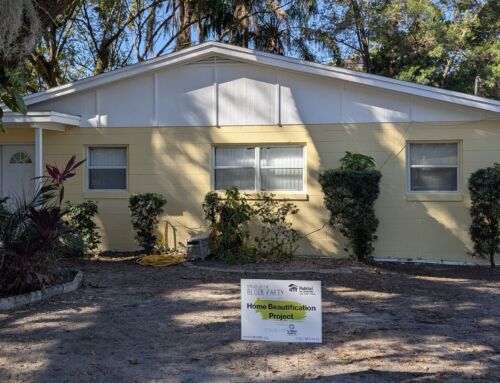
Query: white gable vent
{"type": "Point", "coordinates": [213, 59]}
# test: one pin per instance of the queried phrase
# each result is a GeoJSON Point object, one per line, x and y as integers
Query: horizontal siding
{"type": "Point", "coordinates": [176, 162]}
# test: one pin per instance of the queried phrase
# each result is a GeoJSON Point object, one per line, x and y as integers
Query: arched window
{"type": "Point", "coordinates": [20, 158]}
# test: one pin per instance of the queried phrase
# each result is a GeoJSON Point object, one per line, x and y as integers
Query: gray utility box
{"type": "Point", "coordinates": [197, 247]}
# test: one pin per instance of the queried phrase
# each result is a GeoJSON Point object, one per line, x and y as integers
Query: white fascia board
{"type": "Point", "coordinates": [267, 59]}
{"type": "Point", "coordinates": [52, 118]}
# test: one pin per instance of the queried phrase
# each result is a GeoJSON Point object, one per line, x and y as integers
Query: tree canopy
{"type": "Point", "coordinates": [449, 44]}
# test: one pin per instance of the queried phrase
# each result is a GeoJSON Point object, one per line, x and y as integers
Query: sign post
{"type": "Point", "coordinates": [281, 311]}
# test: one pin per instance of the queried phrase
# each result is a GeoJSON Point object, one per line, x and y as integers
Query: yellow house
{"type": "Point", "coordinates": [216, 115]}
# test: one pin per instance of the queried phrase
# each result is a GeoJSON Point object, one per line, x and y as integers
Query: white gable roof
{"type": "Point", "coordinates": [226, 51]}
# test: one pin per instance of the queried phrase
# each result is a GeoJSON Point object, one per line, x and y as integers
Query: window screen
{"type": "Point", "coordinates": [107, 168]}
{"type": "Point", "coordinates": [433, 166]}
{"type": "Point", "coordinates": [265, 168]}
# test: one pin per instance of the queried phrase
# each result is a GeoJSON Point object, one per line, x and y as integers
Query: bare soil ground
{"type": "Point", "coordinates": [380, 324]}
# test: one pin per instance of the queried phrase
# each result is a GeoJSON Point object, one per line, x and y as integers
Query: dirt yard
{"type": "Point", "coordinates": [134, 324]}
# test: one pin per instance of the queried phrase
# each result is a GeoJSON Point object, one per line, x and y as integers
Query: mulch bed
{"type": "Point", "coordinates": [55, 276]}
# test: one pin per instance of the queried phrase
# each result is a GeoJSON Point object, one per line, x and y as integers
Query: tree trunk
{"type": "Point", "coordinates": [242, 19]}
{"type": "Point", "coordinates": [183, 40]}
{"type": "Point", "coordinates": [102, 61]}
{"type": "Point", "coordinates": [363, 40]}
{"type": "Point", "coordinates": [48, 71]}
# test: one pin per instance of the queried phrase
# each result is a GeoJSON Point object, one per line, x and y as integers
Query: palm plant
{"type": "Point", "coordinates": [264, 24]}
{"type": "Point", "coordinates": [30, 227]}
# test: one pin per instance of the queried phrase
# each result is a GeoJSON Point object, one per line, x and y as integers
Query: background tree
{"type": "Point", "coordinates": [19, 30]}
{"type": "Point", "coordinates": [21, 23]}
{"type": "Point", "coordinates": [449, 44]}
{"type": "Point", "coordinates": [47, 59]}
{"type": "Point", "coordinates": [443, 44]}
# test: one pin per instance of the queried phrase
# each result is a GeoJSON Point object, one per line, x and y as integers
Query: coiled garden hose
{"type": "Point", "coordinates": [161, 260]}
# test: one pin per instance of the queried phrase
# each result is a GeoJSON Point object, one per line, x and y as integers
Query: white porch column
{"type": "Point", "coordinates": [38, 157]}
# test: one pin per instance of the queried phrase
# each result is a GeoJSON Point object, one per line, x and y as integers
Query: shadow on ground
{"type": "Point", "coordinates": [134, 324]}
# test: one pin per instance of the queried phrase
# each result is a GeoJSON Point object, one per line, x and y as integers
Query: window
{"type": "Point", "coordinates": [20, 158]}
{"type": "Point", "coordinates": [433, 167]}
{"type": "Point", "coordinates": [266, 168]}
{"type": "Point", "coordinates": [107, 168]}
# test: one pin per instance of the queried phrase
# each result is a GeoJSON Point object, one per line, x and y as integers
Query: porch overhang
{"type": "Point", "coordinates": [42, 120]}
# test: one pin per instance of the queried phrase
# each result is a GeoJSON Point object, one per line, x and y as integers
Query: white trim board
{"type": "Point", "coordinates": [227, 51]}
{"type": "Point", "coordinates": [49, 118]}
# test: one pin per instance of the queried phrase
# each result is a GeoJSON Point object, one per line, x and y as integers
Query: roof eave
{"type": "Point", "coordinates": [44, 120]}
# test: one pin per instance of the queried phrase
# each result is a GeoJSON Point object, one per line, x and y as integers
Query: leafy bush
{"type": "Point", "coordinates": [229, 230]}
{"type": "Point", "coordinates": [484, 187]}
{"type": "Point", "coordinates": [80, 216]}
{"type": "Point", "coordinates": [145, 209]}
{"type": "Point", "coordinates": [71, 244]}
{"type": "Point", "coordinates": [232, 218]}
{"type": "Point", "coordinates": [31, 229]}
{"type": "Point", "coordinates": [277, 240]}
{"type": "Point", "coordinates": [356, 161]}
{"type": "Point", "coordinates": [350, 195]}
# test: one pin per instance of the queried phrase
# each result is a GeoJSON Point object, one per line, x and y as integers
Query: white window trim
{"type": "Point", "coordinates": [458, 166]}
{"type": "Point", "coordinates": [88, 168]}
{"type": "Point", "coordinates": [257, 167]}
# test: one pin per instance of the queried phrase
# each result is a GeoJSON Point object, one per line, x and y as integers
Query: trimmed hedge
{"type": "Point", "coordinates": [145, 210]}
{"type": "Point", "coordinates": [350, 195]}
{"type": "Point", "coordinates": [484, 187]}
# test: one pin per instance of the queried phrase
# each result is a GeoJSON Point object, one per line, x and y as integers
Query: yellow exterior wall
{"type": "Point", "coordinates": [177, 163]}
{"type": "Point", "coordinates": [17, 136]}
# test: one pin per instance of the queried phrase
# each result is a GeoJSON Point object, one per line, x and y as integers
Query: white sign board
{"type": "Point", "coordinates": [281, 311]}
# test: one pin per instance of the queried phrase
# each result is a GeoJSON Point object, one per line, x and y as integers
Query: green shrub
{"type": "Point", "coordinates": [145, 209]}
{"type": "Point", "coordinates": [484, 187]}
{"type": "Point", "coordinates": [229, 230]}
{"type": "Point", "coordinates": [81, 219]}
{"type": "Point", "coordinates": [232, 218]}
{"type": "Point", "coordinates": [31, 230]}
{"type": "Point", "coordinates": [71, 244]}
{"type": "Point", "coordinates": [3, 208]}
{"type": "Point", "coordinates": [356, 161]}
{"type": "Point", "coordinates": [350, 195]}
{"type": "Point", "coordinates": [277, 240]}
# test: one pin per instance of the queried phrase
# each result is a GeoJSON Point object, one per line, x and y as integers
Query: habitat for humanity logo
{"type": "Point", "coordinates": [302, 290]}
{"type": "Point", "coordinates": [291, 329]}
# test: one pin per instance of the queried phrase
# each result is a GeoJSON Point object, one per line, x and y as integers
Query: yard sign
{"type": "Point", "coordinates": [281, 311]}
